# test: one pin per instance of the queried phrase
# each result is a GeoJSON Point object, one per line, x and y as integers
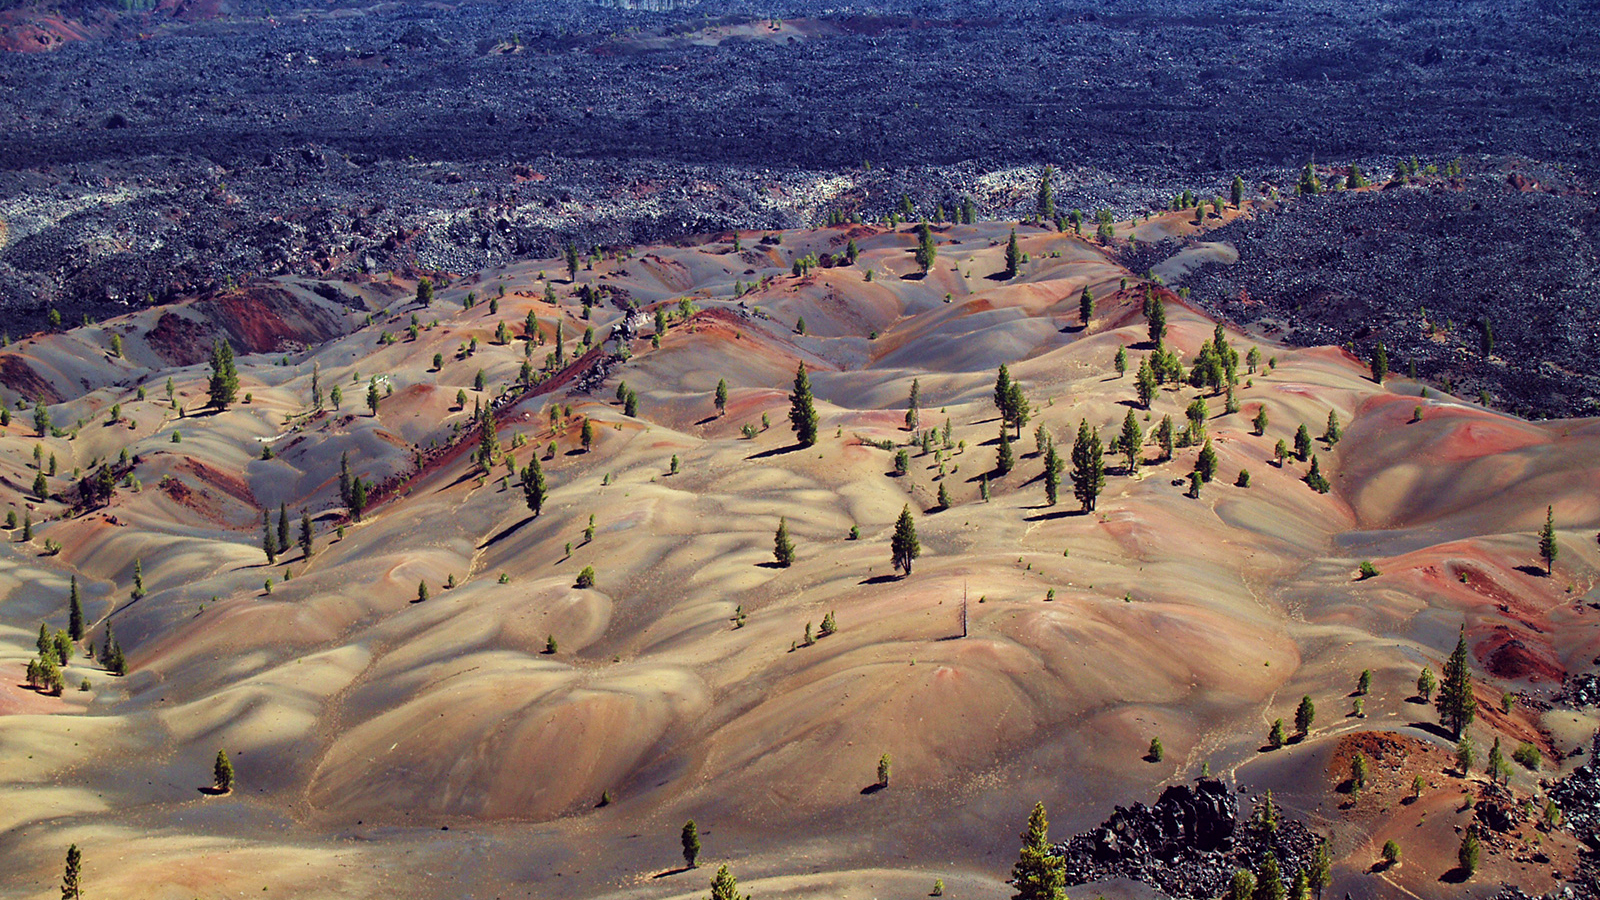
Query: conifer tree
{"type": "Point", "coordinates": [1547, 541]}
{"type": "Point", "coordinates": [1086, 305]}
{"type": "Point", "coordinates": [721, 397]}
{"type": "Point", "coordinates": [1045, 203]}
{"type": "Point", "coordinates": [586, 435]}
{"type": "Point", "coordinates": [1237, 192]}
{"type": "Point", "coordinates": [1302, 443]}
{"type": "Point", "coordinates": [1380, 363]}
{"type": "Point", "coordinates": [1156, 317]}
{"type": "Point", "coordinates": [1017, 407]}
{"type": "Point", "coordinates": [1088, 466]}
{"type": "Point", "coordinates": [1039, 874]}
{"type": "Point", "coordinates": [222, 773]}
{"type": "Point", "coordinates": [904, 547]}
{"type": "Point", "coordinates": [373, 397]}
{"type": "Point", "coordinates": [1321, 875]}
{"type": "Point", "coordinates": [74, 613]}
{"type": "Point", "coordinates": [41, 418]}
{"type": "Point", "coordinates": [305, 534]}
{"type": "Point", "coordinates": [927, 251]}
{"type": "Point", "coordinates": [269, 540]}
{"type": "Point", "coordinates": [1332, 433]}
{"type": "Point", "coordinates": [1145, 380]}
{"type": "Point", "coordinates": [724, 886]}
{"type": "Point", "coordinates": [1269, 882]}
{"type": "Point", "coordinates": [1131, 441]}
{"type": "Point", "coordinates": [1004, 459]}
{"type": "Point", "coordinates": [224, 385]}
{"type": "Point", "coordinates": [782, 547]}
{"type": "Point", "coordinates": [533, 487]}
{"type": "Point", "coordinates": [1164, 435]}
{"type": "Point", "coordinates": [572, 263]}
{"type": "Point", "coordinates": [690, 838]}
{"type": "Point", "coordinates": [1260, 421]}
{"type": "Point", "coordinates": [944, 496]}
{"type": "Point", "coordinates": [70, 889]}
{"type": "Point", "coordinates": [1052, 474]}
{"type": "Point", "coordinates": [802, 409]}
{"type": "Point", "coordinates": [1120, 362]}
{"type": "Point", "coordinates": [1304, 715]}
{"type": "Point", "coordinates": [1206, 463]}
{"type": "Point", "coordinates": [1456, 704]}
{"type": "Point", "coordinates": [1013, 256]}
{"type": "Point", "coordinates": [1002, 390]}
{"type": "Point", "coordinates": [1467, 854]}
{"type": "Point", "coordinates": [488, 442]}
{"type": "Point", "coordinates": [913, 402]}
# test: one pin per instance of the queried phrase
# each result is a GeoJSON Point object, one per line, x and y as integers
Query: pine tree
{"type": "Point", "coordinates": [269, 540]}
{"type": "Point", "coordinates": [1039, 874]}
{"type": "Point", "coordinates": [944, 496]}
{"type": "Point", "coordinates": [1004, 459]}
{"type": "Point", "coordinates": [1547, 541]}
{"type": "Point", "coordinates": [691, 844]}
{"type": "Point", "coordinates": [782, 547]}
{"type": "Point", "coordinates": [488, 442]}
{"type": "Point", "coordinates": [1467, 854]}
{"type": "Point", "coordinates": [222, 773]}
{"type": "Point", "coordinates": [913, 405]}
{"type": "Point", "coordinates": [572, 263]}
{"type": "Point", "coordinates": [1052, 474]}
{"type": "Point", "coordinates": [1206, 463]}
{"type": "Point", "coordinates": [927, 251]}
{"type": "Point", "coordinates": [1321, 869]}
{"type": "Point", "coordinates": [904, 547]}
{"type": "Point", "coordinates": [1017, 406]}
{"type": "Point", "coordinates": [69, 878]}
{"type": "Point", "coordinates": [1131, 441]}
{"type": "Point", "coordinates": [586, 434]}
{"type": "Point", "coordinates": [1497, 765]}
{"type": "Point", "coordinates": [41, 418]}
{"type": "Point", "coordinates": [533, 487]}
{"type": "Point", "coordinates": [1013, 256]}
{"type": "Point", "coordinates": [1156, 314]}
{"type": "Point", "coordinates": [1456, 704]}
{"type": "Point", "coordinates": [224, 384]}
{"type": "Point", "coordinates": [1304, 715]}
{"type": "Point", "coordinates": [1002, 390]}
{"type": "Point", "coordinates": [1120, 361]}
{"type": "Point", "coordinates": [41, 487]}
{"type": "Point", "coordinates": [305, 534]}
{"type": "Point", "coordinates": [721, 397]}
{"type": "Point", "coordinates": [1302, 443]}
{"type": "Point", "coordinates": [1045, 203]}
{"type": "Point", "coordinates": [345, 484]}
{"type": "Point", "coordinates": [1269, 882]}
{"type": "Point", "coordinates": [1086, 305]}
{"type": "Point", "coordinates": [802, 409]}
{"type": "Point", "coordinates": [724, 886]}
{"type": "Point", "coordinates": [74, 613]}
{"type": "Point", "coordinates": [358, 502]}
{"type": "Point", "coordinates": [1145, 379]}
{"type": "Point", "coordinates": [1380, 363]}
{"type": "Point", "coordinates": [1164, 435]}
{"type": "Point", "coordinates": [1260, 421]}
{"type": "Point", "coordinates": [883, 771]}
{"type": "Point", "coordinates": [374, 398]}
{"type": "Point", "coordinates": [1238, 192]}
{"type": "Point", "coordinates": [1332, 433]}
{"type": "Point", "coordinates": [1088, 466]}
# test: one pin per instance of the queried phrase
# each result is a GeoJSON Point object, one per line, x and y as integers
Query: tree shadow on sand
{"type": "Point", "coordinates": [505, 533]}
{"type": "Point", "coordinates": [879, 579]}
{"type": "Point", "coordinates": [671, 872]}
{"type": "Point", "coordinates": [871, 789]}
{"type": "Point", "coordinates": [776, 451]}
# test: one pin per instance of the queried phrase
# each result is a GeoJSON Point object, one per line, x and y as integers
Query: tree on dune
{"type": "Point", "coordinates": [904, 547]}
{"type": "Point", "coordinates": [802, 409]}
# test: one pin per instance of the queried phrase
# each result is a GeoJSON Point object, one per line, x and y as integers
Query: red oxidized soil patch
{"type": "Point", "coordinates": [16, 374]}
{"type": "Point", "coordinates": [1515, 657]}
{"type": "Point", "coordinates": [179, 340]}
{"type": "Point", "coordinates": [226, 482]}
{"type": "Point", "coordinates": [1478, 436]}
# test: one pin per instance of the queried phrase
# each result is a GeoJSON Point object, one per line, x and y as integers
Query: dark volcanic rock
{"type": "Point", "coordinates": [1187, 845]}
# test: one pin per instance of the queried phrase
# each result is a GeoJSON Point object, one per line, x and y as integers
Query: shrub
{"type": "Point", "coordinates": [1527, 755]}
{"type": "Point", "coordinates": [586, 577]}
{"type": "Point", "coordinates": [1156, 750]}
{"type": "Point", "coordinates": [1391, 852]}
{"type": "Point", "coordinates": [1368, 570]}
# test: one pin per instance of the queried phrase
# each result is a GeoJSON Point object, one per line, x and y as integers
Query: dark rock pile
{"type": "Point", "coordinates": [1580, 690]}
{"type": "Point", "coordinates": [1578, 795]}
{"type": "Point", "coordinates": [1187, 845]}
